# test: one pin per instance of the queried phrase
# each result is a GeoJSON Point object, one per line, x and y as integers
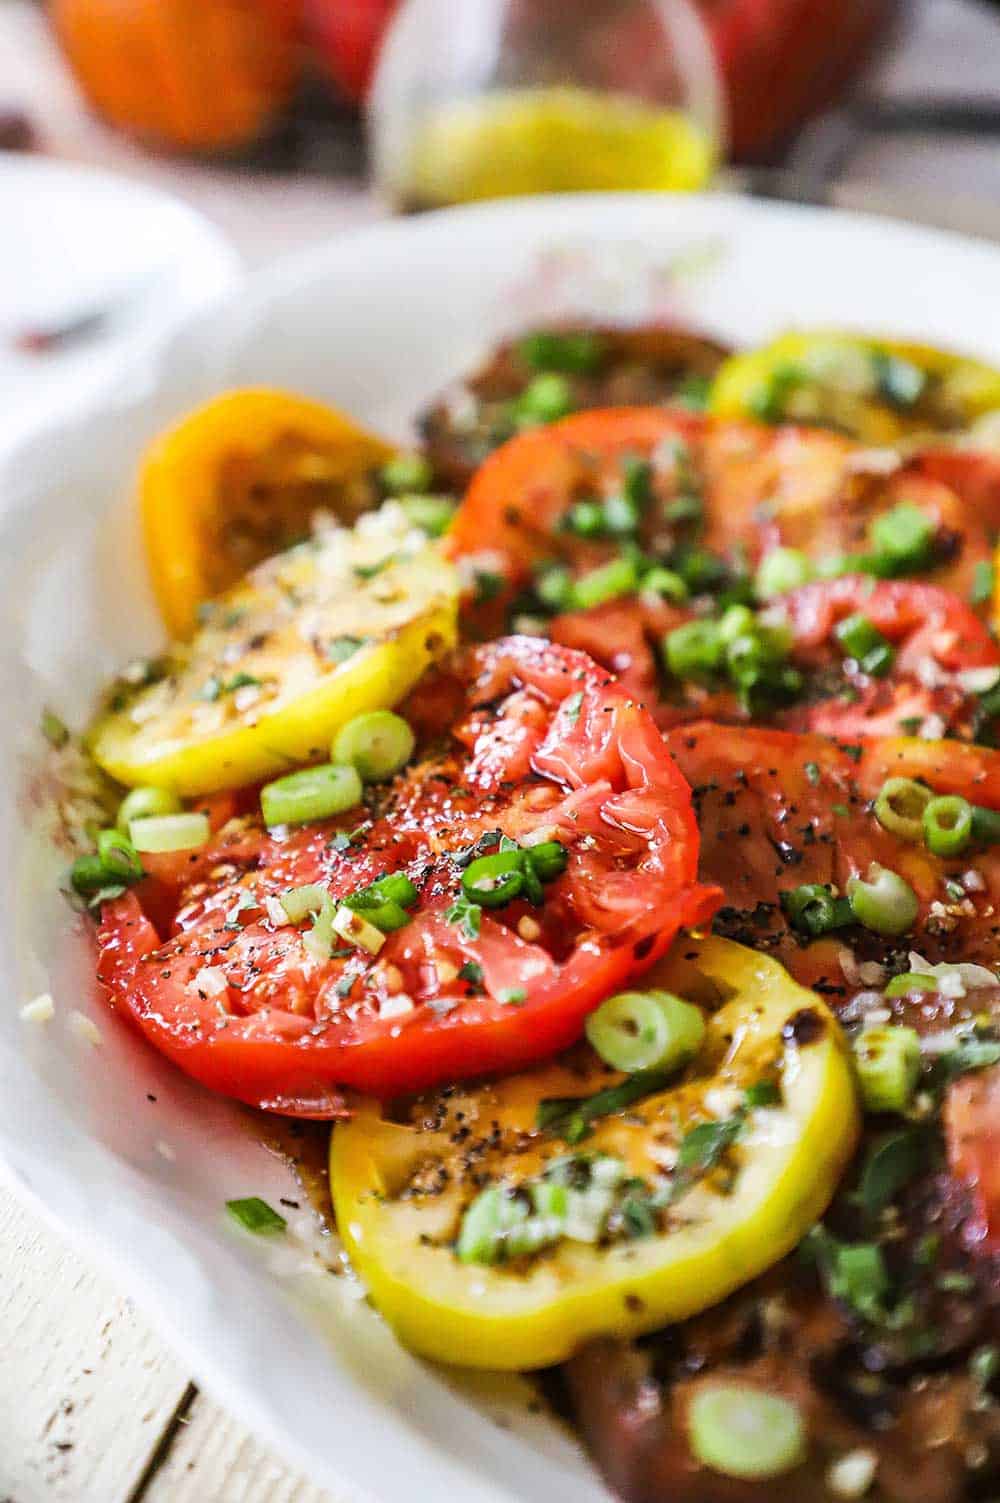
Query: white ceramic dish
{"type": "Point", "coordinates": [81, 246]}
{"type": "Point", "coordinates": [375, 323]}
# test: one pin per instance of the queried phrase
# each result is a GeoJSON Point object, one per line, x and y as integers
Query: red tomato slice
{"type": "Point", "coordinates": [760, 487]}
{"type": "Point", "coordinates": [972, 1127]}
{"type": "Point", "coordinates": [779, 810]}
{"type": "Point", "coordinates": [547, 748]}
{"type": "Point", "coordinates": [937, 640]}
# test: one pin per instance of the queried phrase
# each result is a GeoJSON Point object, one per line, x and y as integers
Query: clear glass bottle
{"type": "Point", "coordinates": [478, 99]}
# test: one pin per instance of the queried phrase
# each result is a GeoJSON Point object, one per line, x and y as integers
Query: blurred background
{"type": "Point", "coordinates": [284, 120]}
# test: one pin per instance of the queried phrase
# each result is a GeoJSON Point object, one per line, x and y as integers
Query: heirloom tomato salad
{"type": "Point", "coordinates": [593, 814]}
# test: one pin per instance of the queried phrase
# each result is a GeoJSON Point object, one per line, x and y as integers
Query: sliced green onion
{"type": "Point", "coordinates": [770, 400]}
{"type": "Point", "coordinates": [900, 807]}
{"type": "Point", "coordinates": [301, 902]}
{"type": "Point", "coordinates": [667, 583]}
{"type": "Point", "coordinates": [143, 802]}
{"type": "Point", "coordinates": [898, 382]}
{"type": "Point", "coordinates": [737, 621]}
{"type": "Point", "coordinates": [377, 745]}
{"type": "Point", "coordinates": [384, 902]}
{"type": "Point", "coordinates": [911, 981]}
{"type": "Point", "coordinates": [983, 583]}
{"type": "Point", "coordinates": [255, 1215]}
{"type": "Point", "coordinates": [814, 910]}
{"type": "Point", "coordinates": [621, 516]}
{"type": "Point", "coordinates": [694, 650]}
{"type": "Point", "coordinates": [554, 587]}
{"type": "Point", "coordinates": [903, 539]}
{"type": "Point", "coordinates": [119, 856]}
{"type": "Point", "coordinates": [745, 1432]}
{"type": "Point", "coordinates": [406, 474]}
{"type": "Point", "coordinates": [612, 580]}
{"type": "Point", "coordinates": [884, 903]}
{"type": "Point", "coordinates": [88, 875]}
{"type": "Point", "coordinates": [548, 859]}
{"type": "Point", "coordinates": [544, 400]}
{"type": "Point", "coordinates": [576, 354]}
{"type": "Point", "coordinates": [355, 928]}
{"type": "Point", "coordinates": [863, 641]}
{"type": "Point", "coordinates": [646, 1031]}
{"type": "Point", "coordinates": [487, 1225]}
{"type": "Point", "coordinates": [394, 887]}
{"type": "Point", "coordinates": [948, 825]}
{"type": "Point", "coordinates": [159, 833]}
{"type": "Point", "coordinates": [586, 519]}
{"type": "Point", "coordinates": [781, 570]}
{"type": "Point", "coordinates": [985, 826]}
{"type": "Point", "coordinates": [888, 1066]}
{"type": "Point", "coordinates": [494, 880]}
{"type": "Point", "coordinates": [700, 570]}
{"type": "Point", "coordinates": [432, 514]}
{"type": "Point", "coordinates": [313, 793]}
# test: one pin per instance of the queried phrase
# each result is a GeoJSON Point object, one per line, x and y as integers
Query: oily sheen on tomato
{"type": "Point", "coordinates": [544, 749]}
{"type": "Point", "coordinates": [938, 648]}
{"type": "Point", "coordinates": [753, 485]}
{"type": "Point", "coordinates": [779, 810]}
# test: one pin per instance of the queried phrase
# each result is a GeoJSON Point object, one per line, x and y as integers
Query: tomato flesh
{"type": "Point", "coordinates": [779, 810]}
{"type": "Point", "coordinates": [547, 747]}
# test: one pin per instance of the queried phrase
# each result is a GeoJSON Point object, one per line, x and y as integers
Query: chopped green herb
{"type": "Point", "coordinates": [892, 1162]}
{"type": "Point", "coordinates": [53, 729]}
{"type": "Point", "coordinates": [467, 915]}
{"type": "Point", "coordinates": [813, 772]}
{"type": "Point", "coordinates": [472, 972]}
{"type": "Point", "coordinates": [702, 1149]}
{"type": "Point", "coordinates": [572, 707]}
{"type": "Point", "coordinates": [570, 1117]}
{"type": "Point", "coordinates": [256, 1216]}
{"type": "Point", "coordinates": [513, 996]}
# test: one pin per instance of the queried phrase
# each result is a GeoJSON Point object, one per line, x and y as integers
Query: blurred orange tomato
{"type": "Point", "coordinates": [193, 75]}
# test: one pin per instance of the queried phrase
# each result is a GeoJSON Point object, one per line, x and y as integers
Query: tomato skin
{"type": "Point", "coordinates": [972, 1127]}
{"type": "Point", "coordinates": [547, 743]}
{"type": "Point", "coordinates": [935, 635]}
{"type": "Point", "coordinates": [778, 810]}
{"type": "Point", "coordinates": [518, 496]}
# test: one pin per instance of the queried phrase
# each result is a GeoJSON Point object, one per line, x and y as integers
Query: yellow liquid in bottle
{"type": "Point", "coordinates": [554, 140]}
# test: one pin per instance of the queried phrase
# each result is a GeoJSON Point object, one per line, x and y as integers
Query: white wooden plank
{"type": "Point", "coordinates": [86, 1389]}
{"type": "Point", "coordinates": [213, 1459]}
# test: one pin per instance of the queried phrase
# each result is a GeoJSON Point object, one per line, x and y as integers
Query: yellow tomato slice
{"type": "Point", "coordinates": [238, 480]}
{"type": "Point", "coordinates": [343, 624]}
{"type": "Point", "coordinates": [400, 1185]}
{"type": "Point", "coordinates": [876, 390]}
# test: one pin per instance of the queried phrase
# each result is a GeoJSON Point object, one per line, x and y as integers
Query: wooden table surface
{"type": "Point", "coordinates": [93, 1406]}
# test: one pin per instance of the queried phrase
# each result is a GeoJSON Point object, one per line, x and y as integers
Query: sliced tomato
{"type": "Point", "coordinates": [547, 747]}
{"type": "Point", "coordinates": [939, 642]}
{"type": "Point", "coordinates": [745, 488]}
{"type": "Point", "coordinates": [778, 810]}
{"type": "Point", "coordinates": [972, 1126]}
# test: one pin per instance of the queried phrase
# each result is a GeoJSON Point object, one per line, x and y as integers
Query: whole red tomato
{"type": "Point", "coordinates": [346, 34]}
{"type": "Point", "coordinates": [783, 60]}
